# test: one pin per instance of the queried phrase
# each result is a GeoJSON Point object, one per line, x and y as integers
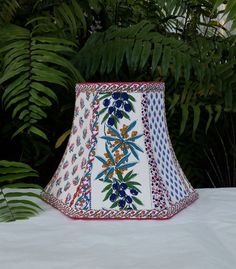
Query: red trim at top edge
{"type": "Point", "coordinates": [122, 82]}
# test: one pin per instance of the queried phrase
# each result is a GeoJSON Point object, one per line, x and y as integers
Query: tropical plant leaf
{"type": "Point", "coordinates": [8, 9]}
{"type": "Point", "coordinates": [167, 55]}
{"type": "Point", "coordinates": [28, 69]}
{"type": "Point", "coordinates": [15, 199]}
{"type": "Point", "coordinates": [62, 138]}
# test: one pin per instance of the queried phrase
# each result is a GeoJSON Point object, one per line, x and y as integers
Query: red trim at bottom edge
{"type": "Point", "coordinates": [54, 202]}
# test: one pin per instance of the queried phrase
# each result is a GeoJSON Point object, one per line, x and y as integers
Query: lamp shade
{"type": "Point", "coordinates": [119, 162]}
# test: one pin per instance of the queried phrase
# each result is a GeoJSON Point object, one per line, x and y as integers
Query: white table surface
{"type": "Point", "coordinates": [201, 236]}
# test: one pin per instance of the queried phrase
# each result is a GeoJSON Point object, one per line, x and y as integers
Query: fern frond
{"type": "Point", "coordinates": [8, 9]}
{"type": "Point", "coordinates": [67, 20]}
{"type": "Point", "coordinates": [137, 45]}
{"type": "Point", "coordinates": [203, 65]}
{"type": "Point", "coordinates": [71, 17]}
{"type": "Point", "coordinates": [18, 200]}
{"type": "Point", "coordinates": [31, 65]}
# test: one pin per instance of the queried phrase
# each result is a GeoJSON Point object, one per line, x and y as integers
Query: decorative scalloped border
{"type": "Point", "coordinates": [120, 86]}
{"type": "Point", "coordinates": [119, 214]}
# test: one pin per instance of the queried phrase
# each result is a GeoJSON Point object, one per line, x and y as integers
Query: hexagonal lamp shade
{"type": "Point", "coordinates": [119, 162]}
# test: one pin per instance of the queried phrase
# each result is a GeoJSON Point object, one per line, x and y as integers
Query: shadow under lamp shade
{"type": "Point", "coordinates": [119, 162]}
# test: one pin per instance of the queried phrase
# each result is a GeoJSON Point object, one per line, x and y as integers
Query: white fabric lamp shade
{"type": "Point", "coordinates": [119, 162]}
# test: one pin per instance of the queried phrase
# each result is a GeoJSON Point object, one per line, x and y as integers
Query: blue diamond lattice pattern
{"type": "Point", "coordinates": [167, 164]}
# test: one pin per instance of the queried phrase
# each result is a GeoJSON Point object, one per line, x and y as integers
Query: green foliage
{"type": "Point", "coordinates": [31, 63]}
{"type": "Point", "coordinates": [8, 9]}
{"type": "Point", "coordinates": [48, 45]}
{"type": "Point", "coordinates": [203, 74]}
{"type": "Point", "coordinates": [18, 200]}
{"type": "Point", "coordinates": [229, 10]}
{"type": "Point", "coordinates": [66, 20]}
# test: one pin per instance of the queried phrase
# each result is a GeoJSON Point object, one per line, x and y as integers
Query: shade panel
{"type": "Point", "coordinates": [119, 162]}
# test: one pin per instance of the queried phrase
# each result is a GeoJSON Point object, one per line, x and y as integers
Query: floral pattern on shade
{"type": "Point", "coordinates": [122, 146]}
{"type": "Point", "coordinates": [82, 196]}
{"type": "Point", "coordinates": [75, 160]}
{"type": "Point", "coordinates": [120, 189]}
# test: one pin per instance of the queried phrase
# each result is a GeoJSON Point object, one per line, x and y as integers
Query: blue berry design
{"type": "Point", "coordinates": [129, 200]}
{"type": "Point", "coordinates": [123, 186]}
{"type": "Point", "coordinates": [121, 204]}
{"type": "Point", "coordinates": [122, 193]}
{"type": "Point", "coordinates": [127, 107]}
{"type": "Point", "coordinates": [117, 105]}
{"type": "Point", "coordinates": [116, 95]}
{"type": "Point", "coordinates": [111, 109]}
{"type": "Point", "coordinates": [124, 96]}
{"type": "Point", "coordinates": [115, 186]}
{"type": "Point", "coordinates": [134, 192]}
{"type": "Point", "coordinates": [119, 114]}
{"type": "Point", "coordinates": [113, 197]}
{"type": "Point", "coordinates": [106, 102]}
{"type": "Point", "coordinates": [111, 121]}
